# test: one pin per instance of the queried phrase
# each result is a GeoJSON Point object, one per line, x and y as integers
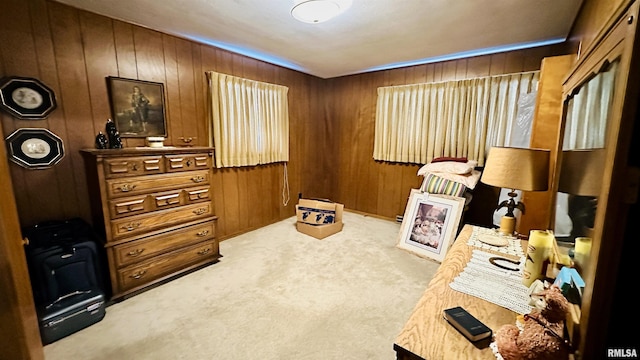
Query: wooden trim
{"type": "Point", "coordinates": [604, 32]}
{"type": "Point", "coordinates": [19, 320]}
{"type": "Point", "coordinates": [616, 41]}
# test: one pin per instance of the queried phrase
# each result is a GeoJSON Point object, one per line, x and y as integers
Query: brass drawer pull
{"type": "Point", "coordinates": [204, 251]}
{"type": "Point", "coordinates": [135, 253]}
{"type": "Point", "coordinates": [200, 211]}
{"type": "Point", "coordinates": [127, 187]}
{"type": "Point", "coordinates": [131, 226]}
{"type": "Point", "coordinates": [186, 140]}
{"type": "Point", "coordinates": [203, 233]}
{"type": "Point", "coordinates": [198, 179]}
{"type": "Point", "coordinates": [138, 274]}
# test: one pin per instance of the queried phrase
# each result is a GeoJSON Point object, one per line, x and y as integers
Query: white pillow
{"type": "Point", "coordinates": [451, 167]}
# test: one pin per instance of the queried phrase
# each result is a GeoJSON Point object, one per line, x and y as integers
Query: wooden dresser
{"type": "Point", "coordinates": [157, 213]}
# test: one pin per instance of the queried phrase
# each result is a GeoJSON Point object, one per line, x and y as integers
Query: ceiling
{"type": "Point", "coordinates": [370, 35]}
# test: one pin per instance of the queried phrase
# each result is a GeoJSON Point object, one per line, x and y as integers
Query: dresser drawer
{"type": "Point", "coordinates": [137, 224]}
{"type": "Point", "coordinates": [162, 265]}
{"type": "Point", "coordinates": [198, 194]}
{"type": "Point", "coordinates": [146, 184]}
{"type": "Point", "coordinates": [139, 250]}
{"type": "Point", "coordinates": [133, 166]}
{"type": "Point", "coordinates": [128, 206]}
{"type": "Point", "coordinates": [187, 162]}
{"type": "Point", "coordinates": [167, 199]}
{"type": "Point", "coordinates": [134, 205]}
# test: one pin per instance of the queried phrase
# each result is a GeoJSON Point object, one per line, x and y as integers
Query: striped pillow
{"type": "Point", "coordinates": [434, 184]}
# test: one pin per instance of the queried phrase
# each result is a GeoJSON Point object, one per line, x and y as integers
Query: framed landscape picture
{"type": "Point", "coordinates": [430, 224]}
{"type": "Point", "coordinates": [137, 107]}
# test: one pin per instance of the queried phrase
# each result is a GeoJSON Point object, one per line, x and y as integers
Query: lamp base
{"type": "Point", "coordinates": [507, 225]}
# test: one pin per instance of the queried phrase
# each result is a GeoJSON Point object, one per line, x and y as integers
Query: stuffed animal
{"type": "Point", "coordinates": [542, 331]}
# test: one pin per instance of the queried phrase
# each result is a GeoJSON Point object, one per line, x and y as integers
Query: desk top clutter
{"type": "Point", "coordinates": [489, 282]}
{"type": "Point", "coordinates": [427, 334]}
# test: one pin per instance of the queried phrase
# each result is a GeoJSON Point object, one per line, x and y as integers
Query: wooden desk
{"type": "Point", "coordinates": [427, 335]}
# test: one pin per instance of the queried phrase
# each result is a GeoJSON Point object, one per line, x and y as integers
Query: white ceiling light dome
{"type": "Point", "coordinates": [317, 11]}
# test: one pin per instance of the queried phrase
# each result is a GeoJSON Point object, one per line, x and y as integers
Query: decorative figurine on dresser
{"type": "Point", "coordinates": [114, 136]}
{"type": "Point", "coordinates": [156, 209]}
{"type": "Point", "coordinates": [101, 141]}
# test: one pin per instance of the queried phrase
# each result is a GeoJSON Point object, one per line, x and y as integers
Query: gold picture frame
{"type": "Point", "coordinates": [137, 107]}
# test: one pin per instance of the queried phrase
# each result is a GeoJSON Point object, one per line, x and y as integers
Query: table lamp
{"type": "Point", "coordinates": [581, 179]}
{"type": "Point", "coordinates": [515, 169]}
{"type": "Point", "coordinates": [581, 172]}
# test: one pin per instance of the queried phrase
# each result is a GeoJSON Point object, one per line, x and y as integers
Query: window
{"type": "Point", "coordinates": [417, 123]}
{"type": "Point", "coordinates": [249, 121]}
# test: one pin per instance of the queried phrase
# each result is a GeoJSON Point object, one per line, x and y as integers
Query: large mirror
{"type": "Point", "coordinates": [581, 162]}
{"type": "Point", "coordinates": [600, 102]}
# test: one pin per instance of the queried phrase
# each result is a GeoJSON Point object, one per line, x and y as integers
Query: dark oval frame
{"type": "Point", "coordinates": [38, 112]}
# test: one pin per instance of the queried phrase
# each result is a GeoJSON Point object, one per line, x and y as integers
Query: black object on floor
{"type": "Point", "coordinates": [65, 266]}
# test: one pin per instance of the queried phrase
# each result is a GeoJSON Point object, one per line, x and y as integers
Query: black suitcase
{"type": "Point", "coordinates": [63, 257]}
{"type": "Point", "coordinates": [65, 267]}
{"type": "Point", "coordinates": [70, 314]}
{"type": "Point", "coordinates": [59, 270]}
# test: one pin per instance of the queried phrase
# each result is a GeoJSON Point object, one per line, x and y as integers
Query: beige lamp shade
{"type": "Point", "coordinates": [581, 172]}
{"type": "Point", "coordinates": [517, 168]}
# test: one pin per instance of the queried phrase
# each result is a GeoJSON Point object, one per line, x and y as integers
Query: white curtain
{"type": "Point", "coordinates": [249, 121]}
{"type": "Point", "coordinates": [587, 112]}
{"type": "Point", "coordinates": [416, 123]}
{"type": "Point", "coordinates": [585, 128]}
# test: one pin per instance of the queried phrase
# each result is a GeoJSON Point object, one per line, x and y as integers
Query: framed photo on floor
{"type": "Point", "coordinates": [137, 107]}
{"type": "Point", "coordinates": [430, 224]}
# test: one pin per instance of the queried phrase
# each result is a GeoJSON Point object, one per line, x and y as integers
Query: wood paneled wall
{"type": "Point", "coordinates": [332, 121]}
{"type": "Point", "coordinates": [73, 51]}
{"type": "Point", "coordinates": [383, 188]}
{"type": "Point", "coordinates": [592, 17]}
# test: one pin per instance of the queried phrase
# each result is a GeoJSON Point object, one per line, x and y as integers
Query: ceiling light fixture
{"type": "Point", "coordinates": [316, 11]}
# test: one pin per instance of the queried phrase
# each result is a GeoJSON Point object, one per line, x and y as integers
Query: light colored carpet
{"type": "Point", "coordinates": [275, 294]}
